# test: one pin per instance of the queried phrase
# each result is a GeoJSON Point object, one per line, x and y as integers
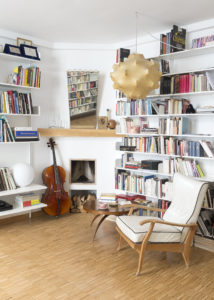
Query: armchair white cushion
{"type": "Point", "coordinates": [130, 226]}
{"type": "Point", "coordinates": [182, 215]}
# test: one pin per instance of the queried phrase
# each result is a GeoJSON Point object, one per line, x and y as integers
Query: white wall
{"type": "Point", "coordinates": [54, 105]}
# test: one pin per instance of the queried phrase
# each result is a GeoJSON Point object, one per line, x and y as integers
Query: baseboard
{"type": "Point", "coordinates": [204, 243]}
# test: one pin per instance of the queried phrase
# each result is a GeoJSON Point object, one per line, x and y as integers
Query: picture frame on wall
{"type": "Point", "coordinates": [12, 50]}
{"type": "Point", "coordinates": [29, 51]}
{"type": "Point", "coordinates": [20, 41]}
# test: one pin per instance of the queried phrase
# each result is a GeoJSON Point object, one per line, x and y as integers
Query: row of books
{"type": "Point", "coordinates": [169, 146]}
{"type": "Point", "coordinates": [209, 198]}
{"type": "Point", "coordinates": [166, 166]}
{"type": "Point", "coordinates": [16, 134]}
{"type": "Point", "coordinates": [82, 86]}
{"type": "Point", "coordinates": [26, 200]}
{"type": "Point", "coordinates": [173, 41]}
{"type": "Point", "coordinates": [185, 83]}
{"type": "Point", "coordinates": [26, 76]}
{"type": "Point", "coordinates": [82, 101]}
{"type": "Point", "coordinates": [82, 79]}
{"type": "Point", "coordinates": [173, 126]}
{"type": "Point", "coordinates": [170, 126]}
{"type": "Point", "coordinates": [7, 181]}
{"type": "Point", "coordinates": [6, 134]}
{"type": "Point", "coordinates": [151, 107]}
{"type": "Point", "coordinates": [107, 198]}
{"type": "Point", "coordinates": [206, 223]}
{"type": "Point", "coordinates": [13, 102]}
{"type": "Point", "coordinates": [80, 94]}
{"type": "Point", "coordinates": [145, 185]}
{"type": "Point", "coordinates": [203, 41]}
{"type": "Point", "coordinates": [163, 204]}
{"type": "Point", "coordinates": [83, 109]}
{"type": "Point", "coordinates": [83, 75]}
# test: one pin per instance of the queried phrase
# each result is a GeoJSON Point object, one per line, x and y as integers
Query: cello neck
{"type": "Point", "coordinates": [56, 172]}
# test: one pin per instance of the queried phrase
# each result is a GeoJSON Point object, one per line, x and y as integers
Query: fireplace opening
{"type": "Point", "coordinates": [83, 171]}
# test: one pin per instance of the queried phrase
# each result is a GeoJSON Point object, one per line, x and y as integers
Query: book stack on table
{"type": "Point", "coordinates": [107, 198]}
{"type": "Point", "coordinates": [25, 134]}
{"type": "Point", "coordinates": [26, 200]}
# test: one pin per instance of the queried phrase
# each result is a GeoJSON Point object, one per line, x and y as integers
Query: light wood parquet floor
{"type": "Point", "coordinates": [55, 259]}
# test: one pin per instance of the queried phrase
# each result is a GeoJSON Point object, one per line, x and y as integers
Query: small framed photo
{"type": "Point", "coordinates": [20, 41]}
{"type": "Point", "coordinates": [29, 51]}
{"type": "Point", "coordinates": [102, 122]}
{"type": "Point", "coordinates": [11, 49]}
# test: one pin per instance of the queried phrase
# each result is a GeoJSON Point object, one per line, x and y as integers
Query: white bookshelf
{"type": "Point", "coordinates": [200, 97]}
{"type": "Point", "coordinates": [19, 120]}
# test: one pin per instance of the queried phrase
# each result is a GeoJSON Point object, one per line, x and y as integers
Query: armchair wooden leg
{"type": "Point", "coordinates": [187, 245]}
{"type": "Point", "coordinates": [120, 244]}
{"type": "Point", "coordinates": [143, 249]}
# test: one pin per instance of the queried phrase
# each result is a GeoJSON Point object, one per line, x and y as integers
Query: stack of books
{"type": "Point", "coordinates": [25, 134]}
{"type": "Point", "coordinates": [108, 198]}
{"type": "Point", "coordinates": [26, 200]}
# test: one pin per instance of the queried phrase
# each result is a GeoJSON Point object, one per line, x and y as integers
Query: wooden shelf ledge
{"type": "Point", "coordinates": [83, 132]}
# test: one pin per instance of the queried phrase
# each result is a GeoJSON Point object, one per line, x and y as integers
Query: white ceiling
{"type": "Point", "coordinates": [98, 21]}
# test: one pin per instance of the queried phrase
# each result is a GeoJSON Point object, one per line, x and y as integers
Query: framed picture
{"type": "Point", "coordinates": [11, 49]}
{"type": "Point", "coordinates": [20, 41]}
{"type": "Point", "coordinates": [102, 122]}
{"type": "Point", "coordinates": [29, 51]}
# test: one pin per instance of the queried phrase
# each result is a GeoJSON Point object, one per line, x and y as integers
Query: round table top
{"type": "Point", "coordinates": [92, 207]}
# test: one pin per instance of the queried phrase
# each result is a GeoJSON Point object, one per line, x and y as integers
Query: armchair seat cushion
{"type": "Point", "coordinates": [135, 232]}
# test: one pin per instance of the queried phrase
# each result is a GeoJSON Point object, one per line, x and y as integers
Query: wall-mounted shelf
{"type": "Point", "coordinates": [17, 86]}
{"type": "Point", "coordinates": [18, 58]}
{"type": "Point", "coordinates": [84, 132]}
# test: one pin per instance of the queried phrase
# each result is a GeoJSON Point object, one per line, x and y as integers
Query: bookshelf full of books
{"type": "Point", "coordinates": [16, 111]}
{"type": "Point", "coordinates": [170, 131]}
{"type": "Point", "coordinates": [82, 92]}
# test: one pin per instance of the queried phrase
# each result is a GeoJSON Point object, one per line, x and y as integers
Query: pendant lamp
{"type": "Point", "coordinates": [137, 76]}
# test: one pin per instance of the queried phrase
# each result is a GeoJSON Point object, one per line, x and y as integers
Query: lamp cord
{"type": "Point", "coordinates": [136, 29]}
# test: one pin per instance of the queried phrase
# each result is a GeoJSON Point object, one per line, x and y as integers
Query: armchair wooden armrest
{"type": "Point", "coordinates": [139, 206]}
{"type": "Point", "coordinates": [167, 223]}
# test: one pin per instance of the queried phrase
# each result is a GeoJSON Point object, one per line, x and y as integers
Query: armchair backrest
{"type": "Point", "coordinates": [187, 199]}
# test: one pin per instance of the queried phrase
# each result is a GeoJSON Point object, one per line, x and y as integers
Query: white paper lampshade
{"type": "Point", "coordinates": [23, 174]}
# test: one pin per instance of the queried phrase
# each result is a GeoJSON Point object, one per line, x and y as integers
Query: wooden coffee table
{"type": "Point", "coordinates": [92, 207]}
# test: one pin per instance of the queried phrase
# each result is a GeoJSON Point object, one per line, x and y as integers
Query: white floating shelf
{"type": "Point", "coordinates": [18, 58]}
{"type": "Point", "coordinates": [201, 136]}
{"type": "Point", "coordinates": [168, 115]}
{"type": "Point", "coordinates": [144, 171]}
{"type": "Point", "coordinates": [20, 211]}
{"type": "Point", "coordinates": [36, 114]}
{"type": "Point", "coordinates": [181, 94]}
{"type": "Point", "coordinates": [20, 143]}
{"type": "Point", "coordinates": [190, 71]}
{"type": "Point", "coordinates": [149, 196]}
{"type": "Point", "coordinates": [26, 189]}
{"type": "Point", "coordinates": [187, 53]}
{"type": "Point", "coordinates": [16, 86]}
{"type": "Point", "coordinates": [168, 155]}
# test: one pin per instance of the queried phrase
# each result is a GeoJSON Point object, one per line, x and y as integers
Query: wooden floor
{"type": "Point", "coordinates": [51, 258]}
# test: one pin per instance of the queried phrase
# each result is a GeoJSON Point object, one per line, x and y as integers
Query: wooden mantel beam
{"type": "Point", "coordinates": [83, 132]}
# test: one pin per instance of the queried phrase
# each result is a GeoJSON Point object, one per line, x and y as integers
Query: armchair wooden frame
{"type": "Point", "coordinates": [183, 248]}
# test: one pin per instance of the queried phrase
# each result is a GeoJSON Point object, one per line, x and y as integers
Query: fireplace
{"type": "Point", "coordinates": [83, 171]}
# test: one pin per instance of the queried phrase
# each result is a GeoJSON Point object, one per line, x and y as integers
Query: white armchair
{"type": "Point", "coordinates": [172, 233]}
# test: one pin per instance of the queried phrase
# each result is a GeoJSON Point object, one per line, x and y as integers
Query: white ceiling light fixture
{"type": "Point", "coordinates": [137, 76]}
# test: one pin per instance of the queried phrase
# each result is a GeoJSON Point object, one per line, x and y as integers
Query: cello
{"type": "Point", "coordinates": [57, 200]}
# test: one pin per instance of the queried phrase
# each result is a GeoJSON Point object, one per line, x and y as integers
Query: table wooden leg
{"type": "Point", "coordinates": [94, 219]}
{"type": "Point", "coordinates": [98, 225]}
